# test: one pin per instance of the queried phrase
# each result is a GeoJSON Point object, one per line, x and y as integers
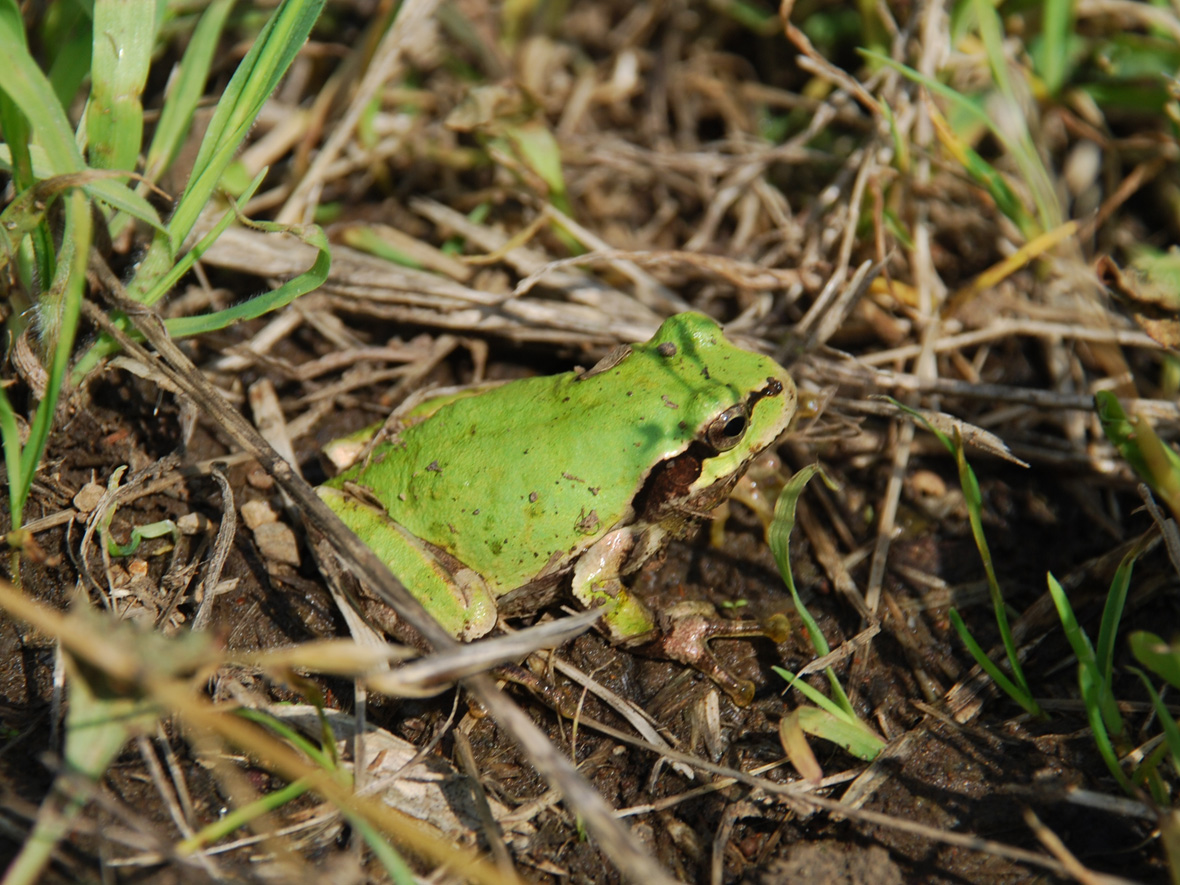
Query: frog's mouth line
{"type": "Point", "coordinates": [667, 496]}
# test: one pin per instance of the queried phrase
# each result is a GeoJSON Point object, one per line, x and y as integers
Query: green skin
{"type": "Point", "coordinates": [516, 487]}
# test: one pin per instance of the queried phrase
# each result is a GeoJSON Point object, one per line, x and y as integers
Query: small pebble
{"type": "Point", "coordinates": [194, 524]}
{"type": "Point", "coordinates": [260, 479]}
{"type": "Point", "coordinates": [276, 542]}
{"type": "Point", "coordinates": [256, 513]}
{"type": "Point", "coordinates": [88, 497]}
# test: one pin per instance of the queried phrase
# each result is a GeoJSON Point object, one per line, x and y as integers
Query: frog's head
{"type": "Point", "coordinates": [732, 404]}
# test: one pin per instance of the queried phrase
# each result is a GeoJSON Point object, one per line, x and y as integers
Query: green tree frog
{"type": "Point", "coordinates": [574, 480]}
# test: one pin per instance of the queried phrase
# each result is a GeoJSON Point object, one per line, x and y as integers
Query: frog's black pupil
{"type": "Point", "coordinates": [735, 428]}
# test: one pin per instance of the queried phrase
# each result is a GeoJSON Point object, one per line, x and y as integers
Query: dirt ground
{"type": "Point", "coordinates": [675, 172]}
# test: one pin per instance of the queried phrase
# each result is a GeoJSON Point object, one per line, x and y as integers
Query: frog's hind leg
{"type": "Point", "coordinates": [457, 597]}
{"type": "Point", "coordinates": [687, 628]}
{"type": "Point", "coordinates": [681, 633]}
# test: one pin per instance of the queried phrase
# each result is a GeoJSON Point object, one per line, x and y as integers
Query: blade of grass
{"type": "Point", "coordinates": [124, 35]}
{"type": "Point", "coordinates": [975, 111]}
{"type": "Point", "coordinates": [812, 694]}
{"type": "Point", "coordinates": [982, 171]}
{"type": "Point", "coordinates": [998, 676]}
{"type": "Point", "coordinates": [1154, 461]}
{"type": "Point", "coordinates": [97, 726]}
{"type": "Point", "coordinates": [1096, 690]}
{"type": "Point", "coordinates": [185, 89]}
{"type": "Point", "coordinates": [1112, 612]}
{"type": "Point", "coordinates": [310, 279]}
{"type": "Point", "coordinates": [255, 79]}
{"type": "Point", "coordinates": [27, 212]}
{"type": "Point", "coordinates": [1157, 656]}
{"type": "Point", "coordinates": [1092, 697]}
{"type": "Point", "coordinates": [70, 283]}
{"type": "Point", "coordinates": [974, 501]}
{"type": "Point", "coordinates": [854, 736]}
{"type": "Point", "coordinates": [1057, 24]}
{"type": "Point", "coordinates": [779, 537]}
{"type": "Point", "coordinates": [40, 264]}
{"type": "Point", "coordinates": [180, 327]}
{"type": "Point", "coordinates": [1023, 150]}
{"type": "Point", "coordinates": [65, 31]}
{"type": "Point", "coordinates": [1168, 723]}
{"type": "Point", "coordinates": [29, 89]}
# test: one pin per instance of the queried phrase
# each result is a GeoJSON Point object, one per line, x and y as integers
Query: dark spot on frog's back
{"type": "Point", "coordinates": [666, 349]}
{"type": "Point", "coordinates": [588, 523]}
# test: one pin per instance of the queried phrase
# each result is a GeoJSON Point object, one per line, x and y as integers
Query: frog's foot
{"type": "Point", "coordinates": [687, 628]}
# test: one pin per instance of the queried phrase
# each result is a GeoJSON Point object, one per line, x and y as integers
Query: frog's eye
{"type": "Point", "coordinates": [727, 429]}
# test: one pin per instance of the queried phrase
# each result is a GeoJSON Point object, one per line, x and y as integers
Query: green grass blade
{"type": "Point", "coordinates": [97, 727]}
{"type": "Point", "coordinates": [779, 537]}
{"type": "Point", "coordinates": [27, 212]}
{"type": "Point", "coordinates": [237, 818]}
{"type": "Point", "coordinates": [1112, 612]}
{"type": "Point", "coordinates": [1023, 150]}
{"type": "Point", "coordinates": [985, 173]}
{"type": "Point", "coordinates": [124, 35]}
{"type": "Point", "coordinates": [1167, 721]}
{"type": "Point", "coordinates": [71, 284]}
{"type": "Point", "coordinates": [29, 89]}
{"type": "Point", "coordinates": [66, 27]}
{"type": "Point", "coordinates": [41, 264]}
{"type": "Point", "coordinates": [388, 856]}
{"type": "Point", "coordinates": [998, 676]}
{"type": "Point", "coordinates": [322, 756]}
{"type": "Point", "coordinates": [974, 501]}
{"type": "Point", "coordinates": [165, 283]}
{"type": "Point", "coordinates": [854, 736]}
{"type": "Point", "coordinates": [975, 111]}
{"type": "Point", "coordinates": [186, 89]}
{"type": "Point", "coordinates": [252, 83]}
{"type": "Point", "coordinates": [181, 327]}
{"type": "Point", "coordinates": [1152, 460]}
{"type": "Point", "coordinates": [1092, 698]}
{"type": "Point", "coordinates": [1099, 692]}
{"type": "Point", "coordinates": [1057, 23]}
{"type": "Point", "coordinates": [310, 279]}
{"type": "Point", "coordinates": [17, 158]}
{"type": "Point", "coordinates": [1156, 655]}
{"type": "Point", "coordinates": [10, 434]}
{"type": "Point", "coordinates": [814, 695]}
{"type": "Point", "coordinates": [139, 534]}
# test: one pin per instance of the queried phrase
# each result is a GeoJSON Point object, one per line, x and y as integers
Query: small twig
{"type": "Point", "coordinates": [221, 547]}
{"type": "Point", "coordinates": [491, 830]}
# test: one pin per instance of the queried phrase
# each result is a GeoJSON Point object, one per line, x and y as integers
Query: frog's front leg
{"type": "Point", "coordinates": [681, 633]}
{"type": "Point", "coordinates": [456, 596]}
